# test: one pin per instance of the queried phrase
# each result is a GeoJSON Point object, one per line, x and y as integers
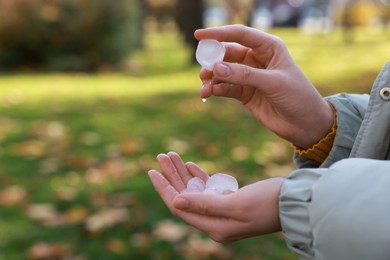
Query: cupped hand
{"type": "Point", "coordinates": [250, 211]}
{"type": "Point", "coordinates": [259, 71]}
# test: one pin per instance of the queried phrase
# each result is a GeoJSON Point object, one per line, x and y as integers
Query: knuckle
{"type": "Point", "coordinates": [246, 73]}
{"type": "Point", "coordinates": [203, 209]}
{"type": "Point", "coordinates": [239, 26]}
{"type": "Point", "coordinates": [279, 43]}
{"type": "Point", "coordinates": [278, 40]}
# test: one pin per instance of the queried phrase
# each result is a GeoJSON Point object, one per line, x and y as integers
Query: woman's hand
{"type": "Point", "coordinates": [250, 211]}
{"type": "Point", "coordinates": [259, 71]}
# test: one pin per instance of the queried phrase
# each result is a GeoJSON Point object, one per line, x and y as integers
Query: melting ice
{"type": "Point", "coordinates": [209, 52]}
{"type": "Point", "coordinates": [219, 183]}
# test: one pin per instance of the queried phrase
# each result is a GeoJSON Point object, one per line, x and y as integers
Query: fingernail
{"type": "Point", "coordinates": [182, 204]}
{"type": "Point", "coordinates": [222, 70]}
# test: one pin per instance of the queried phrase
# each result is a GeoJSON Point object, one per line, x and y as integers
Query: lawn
{"type": "Point", "coordinates": [75, 149]}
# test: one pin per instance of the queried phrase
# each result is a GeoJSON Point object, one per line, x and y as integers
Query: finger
{"type": "Point", "coordinates": [242, 75]}
{"type": "Point", "coordinates": [235, 52]}
{"type": "Point", "coordinates": [180, 167]}
{"type": "Point", "coordinates": [221, 229]}
{"type": "Point", "coordinates": [219, 206]}
{"type": "Point", "coordinates": [246, 36]}
{"type": "Point", "coordinates": [182, 209]}
{"type": "Point", "coordinates": [196, 171]}
{"type": "Point", "coordinates": [205, 75]}
{"type": "Point", "coordinates": [228, 90]}
{"type": "Point", "coordinates": [208, 224]}
{"type": "Point", "coordinates": [170, 172]}
{"type": "Point", "coordinates": [206, 90]}
{"type": "Point", "coordinates": [207, 87]}
{"type": "Point", "coordinates": [166, 191]}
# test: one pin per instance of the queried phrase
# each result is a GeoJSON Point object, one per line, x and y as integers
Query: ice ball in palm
{"type": "Point", "coordinates": [222, 183]}
{"type": "Point", "coordinates": [195, 185]}
{"type": "Point", "coordinates": [219, 183]}
{"type": "Point", "coordinates": [209, 52]}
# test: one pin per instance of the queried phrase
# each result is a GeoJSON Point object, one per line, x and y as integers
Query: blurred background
{"type": "Point", "coordinates": [92, 90]}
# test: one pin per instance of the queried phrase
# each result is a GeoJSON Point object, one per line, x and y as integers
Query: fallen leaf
{"type": "Point", "coordinates": [12, 195]}
{"type": "Point", "coordinates": [170, 231]}
{"type": "Point", "coordinates": [94, 176]}
{"type": "Point", "coordinates": [29, 148]}
{"type": "Point", "coordinates": [130, 147]}
{"type": "Point", "coordinates": [45, 214]}
{"type": "Point", "coordinates": [240, 153]}
{"type": "Point", "coordinates": [141, 241]}
{"type": "Point", "coordinates": [47, 251]}
{"type": "Point", "coordinates": [198, 248]}
{"type": "Point", "coordinates": [49, 130]}
{"type": "Point", "coordinates": [49, 165]}
{"type": "Point", "coordinates": [115, 245]}
{"type": "Point", "coordinates": [76, 215]}
{"type": "Point", "coordinates": [106, 218]}
{"type": "Point", "coordinates": [114, 168]}
{"type": "Point", "coordinates": [65, 193]}
{"type": "Point", "coordinates": [80, 162]}
{"type": "Point", "coordinates": [121, 200]}
{"type": "Point", "coordinates": [177, 145]}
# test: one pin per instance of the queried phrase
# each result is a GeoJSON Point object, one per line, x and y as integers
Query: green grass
{"type": "Point", "coordinates": [335, 65]}
{"type": "Point", "coordinates": [83, 143]}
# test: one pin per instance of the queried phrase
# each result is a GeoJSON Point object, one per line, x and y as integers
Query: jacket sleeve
{"type": "Point", "coordinates": [341, 212]}
{"type": "Point", "coordinates": [350, 111]}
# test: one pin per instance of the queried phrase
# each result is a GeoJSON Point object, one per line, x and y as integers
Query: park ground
{"type": "Point", "coordinates": [75, 149]}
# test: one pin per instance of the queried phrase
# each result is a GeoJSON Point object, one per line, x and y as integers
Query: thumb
{"type": "Point", "coordinates": [205, 204]}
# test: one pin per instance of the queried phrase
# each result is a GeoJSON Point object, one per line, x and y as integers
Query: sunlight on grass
{"type": "Point", "coordinates": [27, 88]}
{"type": "Point", "coordinates": [163, 67]}
{"type": "Point", "coordinates": [334, 65]}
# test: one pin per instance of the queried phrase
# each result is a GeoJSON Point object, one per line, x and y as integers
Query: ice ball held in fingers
{"type": "Point", "coordinates": [209, 52]}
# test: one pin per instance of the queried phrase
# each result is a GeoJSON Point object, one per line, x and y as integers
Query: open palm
{"type": "Point", "coordinates": [250, 211]}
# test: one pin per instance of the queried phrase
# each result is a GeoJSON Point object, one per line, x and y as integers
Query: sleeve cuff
{"type": "Point", "coordinates": [294, 201]}
{"type": "Point", "coordinates": [350, 110]}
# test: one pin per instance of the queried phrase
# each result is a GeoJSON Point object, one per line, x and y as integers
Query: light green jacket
{"type": "Point", "coordinates": [340, 210]}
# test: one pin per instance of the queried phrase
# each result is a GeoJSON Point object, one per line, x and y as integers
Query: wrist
{"type": "Point", "coordinates": [263, 218]}
{"type": "Point", "coordinates": [320, 151]}
{"type": "Point", "coordinates": [272, 223]}
{"type": "Point", "coordinates": [319, 127]}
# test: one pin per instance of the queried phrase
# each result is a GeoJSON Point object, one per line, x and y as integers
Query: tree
{"type": "Point", "coordinates": [189, 17]}
{"type": "Point", "coordinates": [68, 35]}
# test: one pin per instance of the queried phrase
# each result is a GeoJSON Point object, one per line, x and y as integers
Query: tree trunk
{"type": "Point", "coordinates": [189, 17]}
